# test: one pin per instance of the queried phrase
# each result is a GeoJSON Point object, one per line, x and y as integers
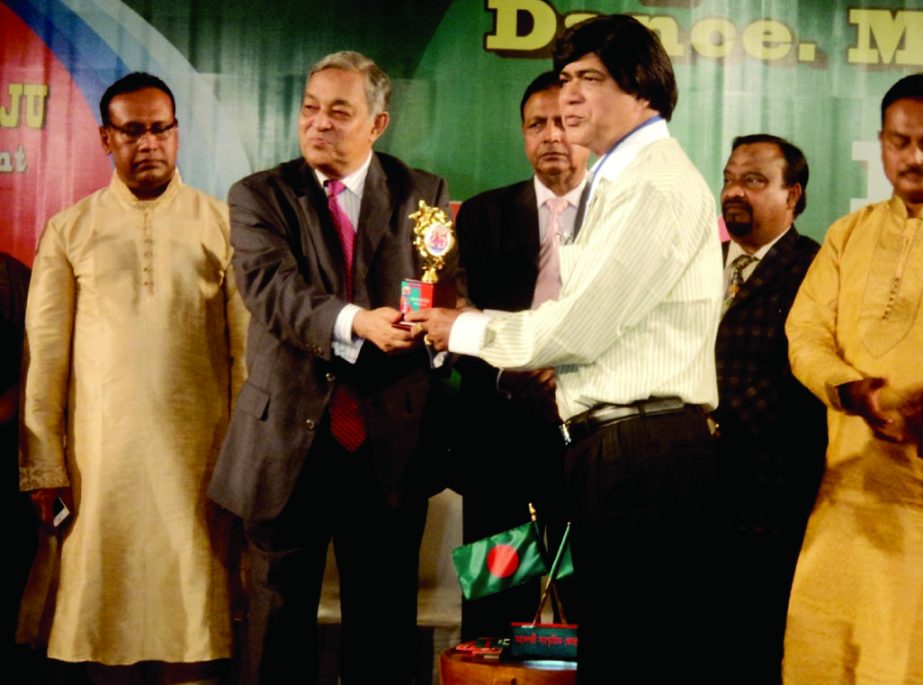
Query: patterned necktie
{"type": "Point", "coordinates": [740, 263]}
{"type": "Point", "coordinates": [347, 424]}
{"type": "Point", "coordinates": [548, 282]}
{"type": "Point", "coordinates": [345, 230]}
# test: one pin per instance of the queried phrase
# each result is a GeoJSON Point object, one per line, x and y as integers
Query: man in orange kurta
{"type": "Point", "coordinates": [856, 341]}
{"type": "Point", "coordinates": [135, 333]}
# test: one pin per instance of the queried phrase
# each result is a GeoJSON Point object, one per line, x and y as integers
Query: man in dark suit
{"type": "Point", "coordinates": [772, 430]}
{"type": "Point", "coordinates": [508, 239]}
{"type": "Point", "coordinates": [326, 441]}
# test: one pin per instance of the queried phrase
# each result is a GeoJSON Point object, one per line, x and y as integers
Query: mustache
{"type": "Point", "coordinates": [911, 171]}
{"type": "Point", "coordinates": [736, 203]}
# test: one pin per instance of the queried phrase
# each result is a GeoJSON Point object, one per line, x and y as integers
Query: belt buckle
{"type": "Point", "coordinates": [565, 432]}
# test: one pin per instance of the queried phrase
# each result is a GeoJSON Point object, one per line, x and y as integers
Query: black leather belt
{"type": "Point", "coordinates": [579, 426]}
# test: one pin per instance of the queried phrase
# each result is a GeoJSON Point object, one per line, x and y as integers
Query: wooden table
{"type": "Point", "coordinates": [457, 668]}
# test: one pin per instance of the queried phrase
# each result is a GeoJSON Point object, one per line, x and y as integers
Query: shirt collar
{"type": "Point", "coordinates": [354, 182]}
{"type": "Point", "coordinates": [735, 250]}
{"type": "Point", "coordinates": [543, 193]}
{"type": "Point", "coordinates": [624, 152]}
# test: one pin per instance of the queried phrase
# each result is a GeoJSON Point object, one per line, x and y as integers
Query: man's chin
{"type": "Point", "coordinates": [911, 196]}
{"type": "Point", "coordinates": [738, 229]}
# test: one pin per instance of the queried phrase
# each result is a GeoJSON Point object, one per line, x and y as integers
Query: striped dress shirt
{"type": "Point", "coordinates": [641, 289]}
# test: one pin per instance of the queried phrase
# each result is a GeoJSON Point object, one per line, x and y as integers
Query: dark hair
{"type": "Point", "coordinates": [796, 166]}
{"type": "Point", "coordinates": [541, 83]}
{"type": "Point", "coordinates": [908, 87]}
{"type": "Point", "coordinates": [632, 54]}
{"type": "Point", "coordinates": [135, 81]}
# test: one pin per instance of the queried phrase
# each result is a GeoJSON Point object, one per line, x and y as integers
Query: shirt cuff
{"type": "Point", "coordinates": [468, 332]}
{"type": "Point", "coordinates": [344, 344]}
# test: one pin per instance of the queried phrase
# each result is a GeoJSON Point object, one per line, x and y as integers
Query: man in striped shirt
{"type": "Point", "coordinates": [631, 337]}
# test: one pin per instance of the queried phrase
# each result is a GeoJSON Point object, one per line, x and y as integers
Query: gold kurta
{"type": "Point", "coordinates": [856, 610]}
{"type": "Point", "coordinates": [135, 334]}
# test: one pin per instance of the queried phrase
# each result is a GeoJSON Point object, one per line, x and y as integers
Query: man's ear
{"type": "Point", "coordinates": [794, 194]}
{"type": "Point", "coordinates": [382, 119]}
{"type": "Point", "coordinates": [104, 139]}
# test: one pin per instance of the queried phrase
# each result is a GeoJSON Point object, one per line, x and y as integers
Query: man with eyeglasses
{"type": "Point", "coordinates": [135, 334]}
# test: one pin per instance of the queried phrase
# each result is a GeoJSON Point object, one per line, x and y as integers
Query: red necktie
{"type": "Point", "coordinates": [346, 422]}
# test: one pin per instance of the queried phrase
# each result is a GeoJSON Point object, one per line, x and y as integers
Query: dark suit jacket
{"type": "Point", "coordinates": [498, 242]}
{"type": "Point", "coordinates": [773, 431]}
{"type": "Point", "coordinates": [288, 264]}
{"type": "Point", "coordinates": [498, 237]}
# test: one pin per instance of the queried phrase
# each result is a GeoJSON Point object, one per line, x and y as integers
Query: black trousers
{"type": "Point", "coordinates": [640, 493]}
{"type": "Point", "coordinates": [516, 468]}
{"type": "Point", "coordinates": [377, 554]}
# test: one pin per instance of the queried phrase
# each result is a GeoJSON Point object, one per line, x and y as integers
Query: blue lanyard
{"type": "Point", "coordinates": [615, 145]}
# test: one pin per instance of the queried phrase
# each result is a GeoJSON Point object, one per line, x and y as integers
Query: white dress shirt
{"type": "Point", "coordinates": [641, 289]}
{"type": "Point", "coordinates": [344, 343]}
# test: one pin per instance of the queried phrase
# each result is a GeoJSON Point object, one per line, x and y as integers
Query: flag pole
{"type": "Point", "coordinates": [544, 550]}
{"type": "Point", "coordinates": [533, 515]}
{"type": "Point", "coordinates": [551, 582]}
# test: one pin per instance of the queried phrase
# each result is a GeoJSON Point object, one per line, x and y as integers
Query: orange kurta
{"type": "Point", "coordinates": [856, 609]}
{"type": "Point", "coordinates": [135, 335]}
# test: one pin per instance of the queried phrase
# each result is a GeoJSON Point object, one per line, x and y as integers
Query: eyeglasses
{"type": "Point", "coordinates": [134, 132]}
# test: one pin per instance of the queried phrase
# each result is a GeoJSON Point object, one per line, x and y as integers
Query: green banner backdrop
{"type": "Point", "coordinates": [812, 71]}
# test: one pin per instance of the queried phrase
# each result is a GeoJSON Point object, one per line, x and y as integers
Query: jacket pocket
{"type": "Point", "coordinates": [253, 401]}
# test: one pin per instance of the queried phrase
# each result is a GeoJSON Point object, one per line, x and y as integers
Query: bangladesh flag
{"type": "Point", "coordinates": [499, 562]}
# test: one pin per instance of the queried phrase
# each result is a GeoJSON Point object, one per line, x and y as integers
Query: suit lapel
{"type": "Point", "coordinates": [375, 216]}
{"type": "Point", "coordinates": [525, 228]}
{"type": "Point", "coordinates": [318, 235]}
{"type": "Point", "coordinates": [770, 267]}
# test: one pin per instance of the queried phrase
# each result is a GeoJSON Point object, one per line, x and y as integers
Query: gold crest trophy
{"type": "Point", "coordinates": [433, 240]}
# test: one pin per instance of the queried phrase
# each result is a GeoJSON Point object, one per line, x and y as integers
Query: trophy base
{"type": "Point", "coordinates": [417, 295]}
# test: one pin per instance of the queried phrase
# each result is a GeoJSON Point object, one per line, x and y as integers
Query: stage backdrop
{"type": "Point", "coordinates": [811, 71]}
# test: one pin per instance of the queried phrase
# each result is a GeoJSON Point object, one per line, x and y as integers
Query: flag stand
{"type": "Point", "coordinates": [537, 640]}
{"type": "Point", "coordinates": [510, 558]}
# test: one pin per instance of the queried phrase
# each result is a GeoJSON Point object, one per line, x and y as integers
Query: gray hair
{"type": "Point", "coordinates": [377, 83]}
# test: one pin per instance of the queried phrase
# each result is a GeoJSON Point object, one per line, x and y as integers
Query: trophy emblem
{"type": "Point", "coordinates": [433, 240]}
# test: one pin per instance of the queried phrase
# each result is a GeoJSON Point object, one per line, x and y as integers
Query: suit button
{"type": "Point", "coordinates": [310, 424]}
{"type": "Point", "coordinates": [330, 376]}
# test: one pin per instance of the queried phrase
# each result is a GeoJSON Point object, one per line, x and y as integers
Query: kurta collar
{"type": "Point", "coordinates": [121, 191]}
{"type": "Point", "coordinates": [899, 209]}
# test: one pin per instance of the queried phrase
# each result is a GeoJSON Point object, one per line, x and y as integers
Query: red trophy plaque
{"type": "Point", "coordinates": [433, 241]}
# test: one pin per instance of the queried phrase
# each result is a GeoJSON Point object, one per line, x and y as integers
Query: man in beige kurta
{"type": "Point", "coordinates": [135, 334]}
{"type": "Point", "coordinates": [856, 341]}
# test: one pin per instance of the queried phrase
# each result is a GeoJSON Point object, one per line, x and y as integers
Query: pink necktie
{"type": "Point", "coordinates": [548, 283]}
{"type": "Point", "coordinates": [346, 422]}
{"type": "Point", "coordinates": [345, 230]}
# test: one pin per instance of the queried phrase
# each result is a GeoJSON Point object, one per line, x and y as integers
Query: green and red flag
{"type": "Point", "coordinates": [499, 562]}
